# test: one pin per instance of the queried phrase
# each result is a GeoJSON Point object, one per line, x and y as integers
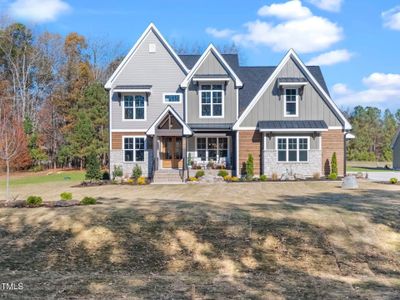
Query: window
{"type": "Point", "coordinates": [133, 149]}
{"type": "Point", "coordinates": [134, 107]}
{"type": "Point", "coordinates": [211, 104]}
{"type": "Point", "coordinates": [291, 104]}
{"type": "Point", "coordinates": [212, 148]}
{"type": "Point", "coordinates": [172, 98]}
{"type": "Point", "coordinates": [293, 149]}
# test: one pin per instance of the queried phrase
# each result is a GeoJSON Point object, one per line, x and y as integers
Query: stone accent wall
{"type": "Point", "coordinates": [250, 142]}
{"type": "Point", "coordinates": [308, 169]}
{"type": "Point", "coordinates": [117, 159]}
{"type": "Point", "coordinates": [333, 141]}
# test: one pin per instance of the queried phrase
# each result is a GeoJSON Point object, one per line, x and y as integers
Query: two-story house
{"type": "Point", "coordinates": [167, 110]}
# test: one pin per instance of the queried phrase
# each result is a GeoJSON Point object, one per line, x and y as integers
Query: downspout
{"type": "Point", "coordinates": [345, 154]}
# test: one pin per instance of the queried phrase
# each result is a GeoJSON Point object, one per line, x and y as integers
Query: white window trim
{"type": "Point", "coordinates": [134, 149]}
{"type": "Point", "coordinates": [297, 103]}
{"type": "Point", "coordinates": [228, 157]}
{"type": "Point", "coordinates": [173, 94]}
{"type": "Point", "coordinates": [123, 107]}
{"type": "Point", "coordinates": [287, 149]}
{"type": "Point", "coordinates": [222, 102]}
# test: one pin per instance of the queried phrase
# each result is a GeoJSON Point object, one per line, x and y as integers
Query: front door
{"type": "Point", "coordinates": [171, 152]}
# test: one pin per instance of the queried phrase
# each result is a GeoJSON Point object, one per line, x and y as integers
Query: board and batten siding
{"type": "Point", "coordinates": [271, 107]}
{"type": "Point", "coordinates": [160, 70]}
{"type": "Point", "coordinates": [211, 66]}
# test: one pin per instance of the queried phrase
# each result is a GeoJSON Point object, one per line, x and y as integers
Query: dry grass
{"type": "Point", "coordinates": [258, 240]}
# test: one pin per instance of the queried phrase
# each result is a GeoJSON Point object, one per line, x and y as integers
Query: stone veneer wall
{"type": "Point", "coordinates": [271, 164]}
{"type": "Point", "coordinates": [117, 159]}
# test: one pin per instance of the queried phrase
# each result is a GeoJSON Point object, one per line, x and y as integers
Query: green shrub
{"type": "Point", "coordinates": [106, 175]}
{"type": "Point", "coordinates": [223, 173]}
{"type": "Point", "coordinates": [66, 196]}
{"type": "Point", "coordinates": [136, 172]}
{"type": "Point", "coordinates": [199, 173]}
{"type": "Point", "coordinates": [393, 180]}
{"type": "Point", "coordinates": [34, 200]}
{"type": "Point", "coordinates": [88, 201]}
{"type": "Point", "coordinates": [249, 167]}
{"type": "Point", "coordinates": [332, 176]}
{"type": "Point", "coordinates": [117, 172]}
{"type": "Point", "coordinates": [334, 168]}
{"type": "Point", "coordinates": [93, 171]}
{"type": "Point", "coordinates": [263, 178]}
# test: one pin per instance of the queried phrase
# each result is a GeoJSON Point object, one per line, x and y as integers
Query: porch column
{"type": "Point", "coordinates": [184, 152]}
{"type": "Point", "coordinates": [155, 152]}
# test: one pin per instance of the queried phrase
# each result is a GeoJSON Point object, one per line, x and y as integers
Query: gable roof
{"type": "Point", "coordinates": [150, 28]}
{"type": "Point", "coordinates": [221, 59]}
{"type": "Point", "coordinates": [291, 54]}
{"type": "Point", "coordinates": [185, 128]}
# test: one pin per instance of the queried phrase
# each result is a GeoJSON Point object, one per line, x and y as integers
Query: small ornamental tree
{"type": "Point", "coordinates": [334, 168]}
{"type": "Point", "coordinates": [93, 171]}
{"type": "Point", "coordinates": [12, 141]}
{"type": "Point", "coordinates": [250, 167]}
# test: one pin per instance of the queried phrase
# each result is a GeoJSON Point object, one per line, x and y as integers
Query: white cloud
{"type": "Point", "coordinates": [290, 10]}
{"type": "Point", "coordinates": [223, 33]}
{"type": "Point", "coordinates": [329, 5]}
{"type": "Point", "coordinates": [304, 35]}
{"type": "Point", "coordinates": [382, 80]}
{"type": "Point", "coordinates": [331, 58]}
{"type": "Point", "coordinates": [340, 89]}
{"type": "Point", "coordinates": [382, 90]}
{"type": "Point", "coordinates": [391, 18]}
{"type": "Point", "coordinates": [38, 10]}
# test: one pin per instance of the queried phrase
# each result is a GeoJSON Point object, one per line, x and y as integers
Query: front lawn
{"type": "Point", "coordinates": [274, 240]}
{"type": "Point", "coordinates": [43, 177]}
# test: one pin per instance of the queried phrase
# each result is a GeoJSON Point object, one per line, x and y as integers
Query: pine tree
{"type": "Point", "coordinates": [93, 171]}
{"type": "Point", "coordinates": [250, 167]}
{"type": "Point", "coordinates": [334, 168]}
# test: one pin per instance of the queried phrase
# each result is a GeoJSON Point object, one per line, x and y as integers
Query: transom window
{"type": "Point", "coordinates": [134, 149]}
{"type": "Point", "coordinates": [213, 148]}
{"type": "Point", "coordinates": [172, 98]}
{"type": "Point", "coordinates": [291, 104]}
{"type": "Point", "coordinates": [134, 107]}
{"type": "Point", "coordinates": [293, 149]}
{"type": "Point", "coordinates": [211, 97]}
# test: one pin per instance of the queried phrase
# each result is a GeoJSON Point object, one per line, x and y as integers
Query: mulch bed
{"type": "Point", "coordinates": [49, 204]}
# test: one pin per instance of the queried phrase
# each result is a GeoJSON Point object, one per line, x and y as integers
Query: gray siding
{"type": "Point", "coordinates": [271, 106]}
{"type": "Point", "coordinates": [212, 66]}
{"type": "Point", "coordinates": [396, 154]}
{"type": "Point", "coordinates": [158, 69]}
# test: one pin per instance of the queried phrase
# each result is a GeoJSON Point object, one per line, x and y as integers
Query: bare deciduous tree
{"type": "Point", "coordinates": [12, 139]}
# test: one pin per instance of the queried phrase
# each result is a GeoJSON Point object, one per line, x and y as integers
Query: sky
{"type": "Point", "coordinates": [356, 42]}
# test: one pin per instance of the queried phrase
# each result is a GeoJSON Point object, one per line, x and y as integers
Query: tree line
{"type": "Point", "coordinates": [51, 90]}
{"type": "Point", "coordinates": [55, 109]}
{"type": "Point", "coordinates": [374, 131]}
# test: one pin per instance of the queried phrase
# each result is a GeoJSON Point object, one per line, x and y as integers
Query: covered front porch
{"type": "Point", "coordinates": [180, 147]}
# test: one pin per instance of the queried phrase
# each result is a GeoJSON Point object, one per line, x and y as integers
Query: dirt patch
{"type": "Point", "coordinates": [259, 241]}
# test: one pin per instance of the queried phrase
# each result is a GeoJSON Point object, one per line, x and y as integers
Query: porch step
{"type": "Point", "coordinates": [167, 177]}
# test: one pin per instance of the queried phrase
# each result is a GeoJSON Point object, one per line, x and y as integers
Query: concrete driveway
{"type": "Point", "coordinates": [382, 176]}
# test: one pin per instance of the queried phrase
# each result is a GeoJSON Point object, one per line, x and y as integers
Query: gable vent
{"type": "Point", "coordinates": [152, 48]}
